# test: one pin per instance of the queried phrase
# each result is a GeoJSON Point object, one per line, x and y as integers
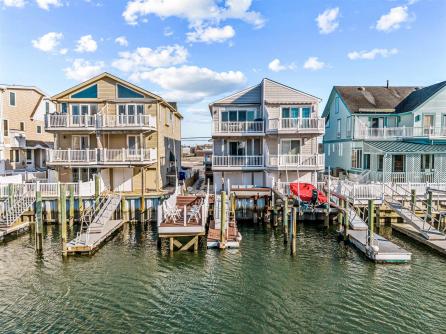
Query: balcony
{"type": "Point", "coordinates": [65, 122]}
{"type": "Point", "coordinates": [297, 125]}
{"type": "Point", "coordinates": [248, 128]}
{"type": "Point", "coordinates": [101, 157]}
{"type": "Point", "coordinates": [400, 133]}
{"type": "Point", "coordinates": [297, 161]}
{"type": "Point", "coordinates": [248, 162]}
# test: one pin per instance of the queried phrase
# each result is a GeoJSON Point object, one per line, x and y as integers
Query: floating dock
{"type": "Point", "coordinates": [232, 236]}
{"type": "Point", "coordinates": [412, 232]}
{"type": "Point", "coordinates": [16, 228]}
{"type": "Point", "coordinates": [92, 239]}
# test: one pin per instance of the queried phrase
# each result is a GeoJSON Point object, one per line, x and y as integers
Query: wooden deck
{"type": "Point", "coordinates": [88, 244]}
{"type": "Point", "coordinates": [232, 240]}
{"type": "Point", "coordinates": [385, 252]}
{"type": "Point", "coordinates": [412, 232]}
{"type": "Point", "coordinates": [16, 228]}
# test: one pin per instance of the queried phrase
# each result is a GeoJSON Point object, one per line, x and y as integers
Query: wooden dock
{"type": "Point", "coordinates": [412, 232]}
{"type": "Point", "coordinates": [91, 240]}
{"type": "Point", "coordinates": [232, 236]}
{"type": "Point", "coordinates": [15, 229]}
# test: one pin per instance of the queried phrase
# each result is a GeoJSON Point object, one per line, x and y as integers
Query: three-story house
{"type": "Point", "coordinates": [386, 133]}
{"type": "Point", "coordinates": [266, 133]}
{"type": "Point", "coordinates": [124, 133]}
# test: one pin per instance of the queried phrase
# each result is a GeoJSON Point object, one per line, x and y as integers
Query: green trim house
{"type": "Point", "coordinates": [385, 133]}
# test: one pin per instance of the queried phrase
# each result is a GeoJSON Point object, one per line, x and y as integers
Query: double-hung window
{"type": "Point", "coordinates": [356, 158]}
{"type": "Point", "coordinates": [338, 128]}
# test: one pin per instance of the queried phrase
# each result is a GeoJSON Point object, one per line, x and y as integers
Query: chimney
{"type": "Point", "coordinates": [387, 84]}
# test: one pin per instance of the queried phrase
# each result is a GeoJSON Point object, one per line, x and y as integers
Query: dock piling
{"type": "Point", "coordinates": [96, 189]}
{"type": "Point", "coordinates": [39, 223]}
{"type": "Point", "coordinates": [413, 199]}
{"type": "Point", "coordinates": [71, 205]}
{"type": "Point", "coordinates": [429, 206]}
{"type": "Point", "coordinates": [222, 219]}
{"type": "Point", "coordinates": [371, 219]}
{"type": "Point", "coordinates": [285, 221]}
{"type": "Point", "coordinates": [293, 231]}
{"type": "Point", "coordinates": [346, 222]}
{"type": "Point", "coordinates": [63, 214]}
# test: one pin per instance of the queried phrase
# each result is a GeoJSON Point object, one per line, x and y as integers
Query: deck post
{"type": "Point", "coordinates": [63, 215]}
{"type": "Point", "coordinates": [39, 222]}
{"type": "Point", "coordinates": [71, 205]}
{"type": "Point", "coordinates": [413, 199]}
{"type": "Point", "coordinates": [222, 219]}
{"type": "Point", "coordinates": [293, 232]}
{"type": "Point", "coordinates": [371, 212]}
{"type": "Point", "coordinates": [285, 220]}
{"type": "Point", "coordinates": [429, 206]}
{"type": "Point", "coordinates": [96, 189]}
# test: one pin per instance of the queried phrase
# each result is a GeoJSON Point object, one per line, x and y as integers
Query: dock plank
{"type": "Point", "coordinates": [412, 232]}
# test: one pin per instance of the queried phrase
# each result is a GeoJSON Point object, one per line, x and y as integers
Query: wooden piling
{"type": "Point", "coordinates": [39, 223]}
{"type": "Point", "coordinates": [71, 205]}
{"type": "Point", "coordinates": [346, 222]}
{"type": "Point", "coordinates": [285, 221]}
{"type": "Point", "coordinates": [429, 206]}
{"type": "Point", "coordinates": [340, 215]}
{"type": "Point", "coordinates": [254, 211]}
{"type": "Point", "coordinates": [222, 219]}
{"type": "Point", "coordinates": [371, 219]}
{"type": "Point", "coordinates": [63, 215]}
{"type": "Point", "coordinates": [413, 199]}
{"type": "Point", "coordinates": [293, 231]}
{"type": "Point", "coordinates": [327, 215]}
{"type": "Point", "coordinates": [143, 199]}
{"type": "Point", "coordinates": [96, 189]}
{"type": "Point", "coordinates": [124, 209]}
{"type": "Point", "coordinates": [59, 205]}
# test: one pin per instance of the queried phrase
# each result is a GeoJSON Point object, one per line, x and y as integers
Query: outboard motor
{"type": "Point", "coordinates": [314, 197]}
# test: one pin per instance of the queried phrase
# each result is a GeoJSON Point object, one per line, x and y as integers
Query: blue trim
{"type": "Point", "coordinates": [127, 93]}
{"type": "Point", "coordinates": [88, 93]}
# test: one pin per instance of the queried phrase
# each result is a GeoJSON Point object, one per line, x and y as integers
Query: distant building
{"type": "Point", "coordinates": [186, 150]}
{"type": "Point", "coordinates": [266, 133]}
{"type": "Point", "coordinates": [386, 133]}
{"type": "Point", "coordinates": [124, 133]}
{"type": "Point", "coordinates": [23, 140]}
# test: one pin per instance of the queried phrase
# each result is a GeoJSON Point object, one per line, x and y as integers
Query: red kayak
{"type": "Point", "coordinates": [305, 192]}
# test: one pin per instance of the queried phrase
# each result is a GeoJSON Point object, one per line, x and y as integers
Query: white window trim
{"type": "Point", "coordinates": [279, 146]}
{"type": "Point", "coordinates": [137, 141]}
{"type": "Point", "coordinates": [126, 107]}
{"type": "Point", "coordinates": [15, 99]}
{"type": "Point", "coordinates": [299, 106]}
{"type": "Point", "coordinates": [88, 140]}
{"type": "Point", "coordinates": [80, 108]}
{"type": "Point", "coordinates": [237, 109]}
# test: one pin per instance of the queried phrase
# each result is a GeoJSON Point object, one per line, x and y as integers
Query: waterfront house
{"type": "Point", "coordinates": [124, 133]}
{"type": "Point", "coordinates": [23, 140]}
{"type": "Point", "coordinates": [266, 133]}
{"type": "Point", "coordinates": [386, 133]}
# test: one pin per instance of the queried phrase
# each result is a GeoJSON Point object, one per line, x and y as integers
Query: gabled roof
{"type": "Point", "coordinates": [276, 92]}
{"type": "Point", "coordinates": [401, 147]}
{"type": "Point", "coordinates": [21, 87]}
{"type": "Point", "coordinates": [250, 95]}
{"type": "Point", "coordinates": [418, 97]}
{"type": "Point", "coordinates": [373, 98]}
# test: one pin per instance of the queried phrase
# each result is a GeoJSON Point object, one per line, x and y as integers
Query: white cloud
{"type": "Point", "coordinates": [45, 4]}
{"type": "Point", "coordinates": [372, 54]}
{"type": "Point", "coordinates": [276, 66]}
{"type": "Point", "coordinates": [122, 40]}
{"type": "Point", "coordinates": [63, 51]}
{"type": "Point", "coordinates": [168, 31]}
{"type": "Point", "coordinates": [327, 21]}
{"type": "Point", "coordinates": [393, 19]}
{"type": "Point", "coordinates": [189, 84]}
{"type": "Point", "coordinates": [81, 69]}
{"type": "Point", "coordinates": [145, 58]}
{"type": "Point", "coordinates": [14, 3]}
{"type": "Point", "coordinates": [86, 44]}
{"type": "Point", "coordinates": [48, 42]}
{"type": "Point", "coordinates": [195, 11]}
{"type": "Point", "coordinates": [314, 64]}
{"type": "Point", "coordinates": [210, 34]}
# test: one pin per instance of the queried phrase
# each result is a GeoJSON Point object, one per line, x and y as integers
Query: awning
{"type": "Point", "coordinates": [401, 147]}
{"type": "Point", "coordinates": [33, 144]}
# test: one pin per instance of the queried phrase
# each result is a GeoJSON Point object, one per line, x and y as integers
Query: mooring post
{"type": "Point", "coordinates": [58, 204]}
{"type": "Point", "coordinates": [96, 189]}
{"type": "Point", "coordinates": [346, 222]}
{"type": "Point", "coordinates": [285, 220]}
{"type": "Point", "coordinates": [429, 206]}
{"type": "Point", "coordinates": [293, 232]}
{"type": "Point", "coordinates": [371, 209]}
{"type": "Point", "coordinates": [413, 199]}
{"type": "Point", "coordinates": [124, 209]}
{"type": "Point", "coordinates": [79, 201]}
{"type": "Point", "coordinates": [63, 214]}
{"type": "Point", "coordinates": [340, 214]}
{"type": "Point", "coordinates": [232, 205]}
{"type": "Point", "coordinates": [222, 219]}
{"type": "Point", "coordinates": [71, 205]}
{"type": "Point", "coordinates": [254, 211]}
{"type": "Point", "coordinates": [327, 215]}
{"type": "Point", "coordinates": [39, 223]}
{"type": "Point", "coordinates": [143, 198]}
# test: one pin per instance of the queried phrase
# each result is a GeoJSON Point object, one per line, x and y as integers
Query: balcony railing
{"type": "Point", "coordinates": [238, 127]}
{"type": "Point", "coordinates": [238, 161]}
{"type": "Point", "coordinates": [399, 132]}
{"type": "Point", "coordinates": [304, 125]}
{"type": "Point", "coordinates": [101, 156]}
{"type": "Point", "coordinates": [101, 122]}
{"type": "Point", "coordinates": [402, 177]}
{"type": "Point", "coordinates": [312, 161]}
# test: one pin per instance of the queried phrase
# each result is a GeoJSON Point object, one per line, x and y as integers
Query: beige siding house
{"type": "Point", "coordinates": [124, 133]}
{"type": "Point", "coordinates": [264, 134]}
{"type": "Point", "coordinates": [23, 140]}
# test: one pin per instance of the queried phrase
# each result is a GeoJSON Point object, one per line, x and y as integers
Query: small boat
{"type": "Point", "coordinates": [308, 193]}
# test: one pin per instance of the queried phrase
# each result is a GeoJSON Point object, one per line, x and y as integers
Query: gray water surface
{"type": "Point", "coordinates": [131, 286]}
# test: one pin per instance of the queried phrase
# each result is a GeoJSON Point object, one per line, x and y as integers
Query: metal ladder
{"type": "Point", "coordinates": [20, 201]}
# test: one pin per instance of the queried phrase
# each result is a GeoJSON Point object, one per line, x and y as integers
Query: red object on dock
{"type": "Point", "coordinates": [305, 192]}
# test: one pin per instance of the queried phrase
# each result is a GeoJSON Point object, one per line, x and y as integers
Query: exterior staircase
{"type": "Point", "coordinates": [94, 218]}
{"type": "Point", "coordinates": [20, 201]}
{"type": "Point", "coordinates": [397, 200]}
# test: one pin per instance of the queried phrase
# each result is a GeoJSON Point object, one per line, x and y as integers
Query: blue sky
{"type": "Point", "coordinates": [199, 50]}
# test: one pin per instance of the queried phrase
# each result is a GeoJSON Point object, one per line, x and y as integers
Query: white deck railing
{"type": "Point", "coordinates": [238, 161]}
{"type": "Point", "coordinates": [297, 160]}
{"type": "Point", "coordinates": [399, 132]}
{"type": "Point", "coordinates": [298, 124]}
{"type": "Point", "coordinates": [402, 177]}
{"type": "Point", "coordinates": [53, 189]}
{"type": "Point", "coordinates": [101, 156]}
{"type": "Point", "coordinates": [238, 127]}
{"type": "Point", "coordinates": [99, 121]}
